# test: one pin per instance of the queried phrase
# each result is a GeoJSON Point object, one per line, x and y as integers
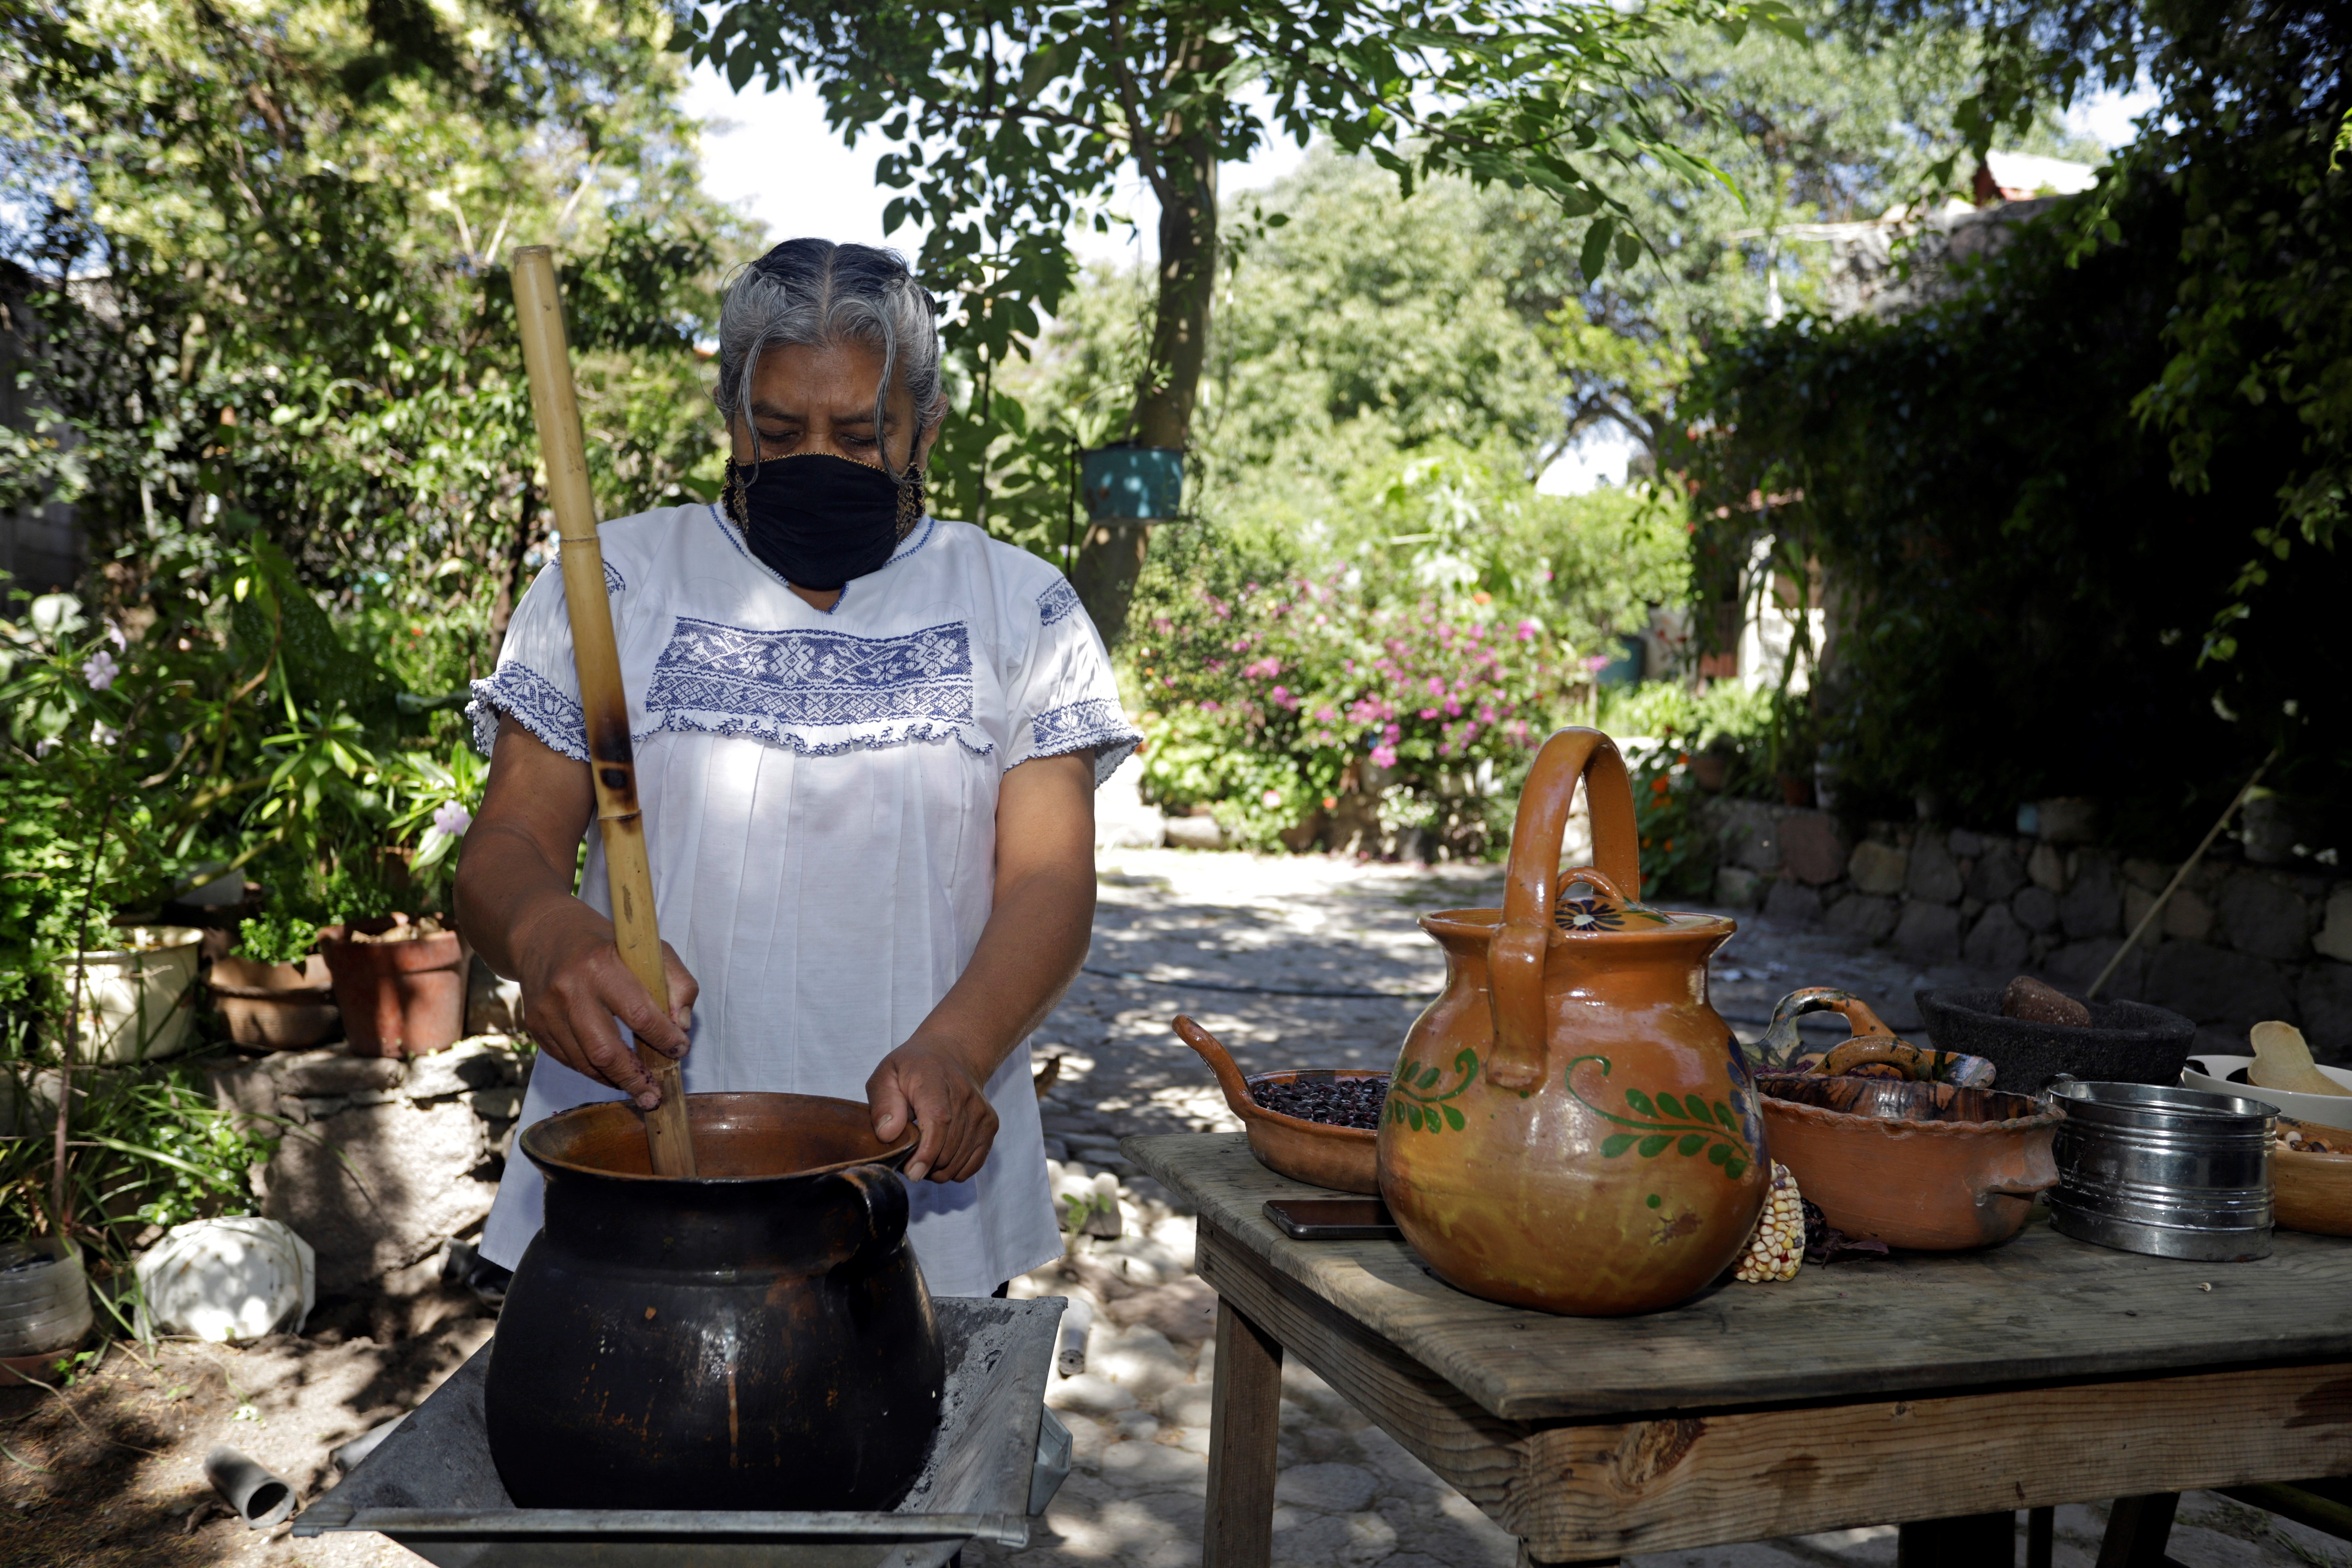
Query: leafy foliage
{"type": "Point", "coordinates": [1816, 131]}
{"type": "Point", "coordinates": [262, 339]}
{"type": "Point", "coordinates": [2117, 461]}
{"type": "Point", "coordinates": [1010, 122]}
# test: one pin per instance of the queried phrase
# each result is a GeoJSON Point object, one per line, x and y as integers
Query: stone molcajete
{"type": "Point", "coordinates": [1571, 1126]}
{"type": "Point", "coordinates": [757, 1336]}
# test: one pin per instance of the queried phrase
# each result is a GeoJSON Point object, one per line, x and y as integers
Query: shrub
{"type": "Point", "coordinates": [1280, 697]}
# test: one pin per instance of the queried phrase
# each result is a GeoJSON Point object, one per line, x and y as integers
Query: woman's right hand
{"type": "Point", "coordinates": [576, 984]}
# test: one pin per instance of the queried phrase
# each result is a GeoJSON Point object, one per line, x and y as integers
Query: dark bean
{"type": "Point", "coordinates": [1333, 1101]}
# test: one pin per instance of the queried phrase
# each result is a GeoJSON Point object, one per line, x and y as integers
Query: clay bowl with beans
{"type": "Point", "coordinates": [1317, 1125]}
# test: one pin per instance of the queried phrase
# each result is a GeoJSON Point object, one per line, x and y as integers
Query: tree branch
{"type": "Point", "coordinates": [1138, 143]}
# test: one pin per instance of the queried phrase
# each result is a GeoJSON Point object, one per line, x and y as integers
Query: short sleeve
{"type": "Point", "coordinates": [535, 683]}
{"type": "Point", "coordinates": [1064, 697]}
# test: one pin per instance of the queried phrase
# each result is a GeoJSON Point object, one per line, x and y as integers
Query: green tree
{"type": "Point", "coordinates": [1012, 120]}
{"type": "Point", "coordinates": [1823, 130]}
{"type": "Point", "coordinates": [2254, 131]}
{"type": "Point", "coordinates": [253, 255]}
{"type": "Point", "coordinates": [262, 251]}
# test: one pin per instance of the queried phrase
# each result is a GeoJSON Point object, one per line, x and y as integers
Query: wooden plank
{"type": "Point", "coordinates": [1592, 1491]}
{"type": "Point", "coordinates": [2040, 1308]}
{"type": "Point", "coordinates": [1245, 1425]}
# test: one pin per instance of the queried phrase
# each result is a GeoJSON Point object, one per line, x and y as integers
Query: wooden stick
{"type": "Point", "coordinates": [2180, 876]}
{"type": "Point", "coordinates": [554, 406]}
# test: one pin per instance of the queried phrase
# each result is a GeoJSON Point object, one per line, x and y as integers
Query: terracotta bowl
{"type": "Point", "coordinates": [2311, 1192]}
{"type": "Point", "coordinates": [1341, 1158]}
{"type": "Point", "coordinates": [1923, 1165]}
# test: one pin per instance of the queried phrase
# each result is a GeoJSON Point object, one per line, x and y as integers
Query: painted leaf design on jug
{"type": "Point", "coordinates": [1686, 1123]}
{"type": "Point", "coordinates": [1412, 1105]}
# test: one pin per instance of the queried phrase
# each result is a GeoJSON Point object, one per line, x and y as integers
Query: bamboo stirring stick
{"type": "Point", "coordinates": [555, 408]}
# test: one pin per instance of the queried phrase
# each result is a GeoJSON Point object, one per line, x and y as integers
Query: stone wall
{"type": "Point", "coordinates": [380, 1163]}
{"type": "Point", "coordinates": [2237, 944]}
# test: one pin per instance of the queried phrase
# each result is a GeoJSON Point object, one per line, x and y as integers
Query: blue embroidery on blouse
{"type": "Point", "coordinates": [613, 581]}
{"type": "Point", "coordinates": [1056, 602]}
{"type": "Point", "coordinates": [533, 702]}
{"type": "Point", "coordinates": [809, 677]}
{"type": "Point", "coordinates": [1076, 724]}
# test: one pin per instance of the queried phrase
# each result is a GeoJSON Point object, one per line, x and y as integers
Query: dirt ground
{"type": "Point", "coordinates": [110, 1470]}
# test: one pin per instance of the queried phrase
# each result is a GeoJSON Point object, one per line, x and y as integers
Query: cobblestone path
{"type": "Point", "coordinates": [1349, 1497]}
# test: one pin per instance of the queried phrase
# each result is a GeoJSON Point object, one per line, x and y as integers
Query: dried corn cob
{"type": "Point", "coordinates": [1778, 1248]}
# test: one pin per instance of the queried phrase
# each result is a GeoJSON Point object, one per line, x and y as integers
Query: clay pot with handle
{"type": "Point", "coordinates": [1315, 1152]}
{"type": "Point", "coordinates": [1570, 1126]}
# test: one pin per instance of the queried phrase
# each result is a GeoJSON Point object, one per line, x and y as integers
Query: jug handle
{"type": "Point", "coordinates": [1515, 953]}
{"type": "Point", "coordinates": [883, 1192]}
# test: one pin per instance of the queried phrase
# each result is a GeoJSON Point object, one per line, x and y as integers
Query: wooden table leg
{"type": "Point", "coordinates": [1244, 1420]}
{"type": "Point", "coordinates": [2041, 1536]}
{"type": "Point", "coordinates": [1970, 1541]}
{"type": "Point", "coordinates": [2137, 1530]}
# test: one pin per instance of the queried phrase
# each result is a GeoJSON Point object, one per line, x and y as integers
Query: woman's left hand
{"type": "Point", "coordinates": [930, 1081]}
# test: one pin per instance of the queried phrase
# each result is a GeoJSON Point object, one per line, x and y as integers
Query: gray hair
{"type": "Point", "coordinates": [815, 293]}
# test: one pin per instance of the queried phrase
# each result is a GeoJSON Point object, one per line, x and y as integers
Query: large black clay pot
{"type": "Point", "coordinates": [757, 1337]}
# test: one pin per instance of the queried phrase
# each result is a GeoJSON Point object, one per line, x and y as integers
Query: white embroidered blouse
{"type": "Point", "coordinates": [820, 792]}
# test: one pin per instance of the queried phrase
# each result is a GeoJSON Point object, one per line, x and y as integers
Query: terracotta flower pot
{"type": "Point", "coordinates": [1338, 1157]}
{"type": "Point", "coordinates": [275, 1006]}
{"type": "Point", "coordinates": [403, 997]}
{"type": "Point", "coordinates": [1925, 1165]}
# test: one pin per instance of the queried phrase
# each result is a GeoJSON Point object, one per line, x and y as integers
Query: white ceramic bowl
{"type": "Point", "coordinates": [2211, 1073]}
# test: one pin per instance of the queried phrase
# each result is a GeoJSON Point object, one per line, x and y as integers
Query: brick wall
{"type": "Point", "coordinates": [2237, 944]}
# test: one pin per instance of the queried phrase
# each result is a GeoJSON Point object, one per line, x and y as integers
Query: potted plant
{"type": "Point", "coordinates": [274, 991]}
{"type": "Point", "coordinates": [131, 994]}
{"type": "Point", "coordinates": [400, 983]}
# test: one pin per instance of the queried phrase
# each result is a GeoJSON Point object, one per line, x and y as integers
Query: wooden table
{"type": "Point", "coordinates": [1918, 1387]}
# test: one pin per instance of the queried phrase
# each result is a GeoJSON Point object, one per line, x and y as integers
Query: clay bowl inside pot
{"type": "Point", "coordinates": [1923, 1165]}
{"type": "Point", "coordinates": [1342, 1158]}
{"type": "Point", "coordinates": [2127, 1042]}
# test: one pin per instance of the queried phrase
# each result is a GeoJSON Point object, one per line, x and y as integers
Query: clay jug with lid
{"type": "Point", "coordinates": [1570, 1126]}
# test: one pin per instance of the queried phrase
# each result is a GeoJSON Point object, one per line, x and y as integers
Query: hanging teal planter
{"type": "Point", "coordinates": [1626, 658]}
{"type": "Point", "coordinates": [1124, 484]}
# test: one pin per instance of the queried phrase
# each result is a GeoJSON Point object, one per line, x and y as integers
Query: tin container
{"type": "Point", "coordinates": [2172, 1172]}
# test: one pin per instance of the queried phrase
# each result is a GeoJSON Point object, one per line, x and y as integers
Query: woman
{"type": "Point", "coordinates": [867, 745]}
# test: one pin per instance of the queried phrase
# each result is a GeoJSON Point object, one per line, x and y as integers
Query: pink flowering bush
{"type": "Point", "coordinates": [1275, 699]}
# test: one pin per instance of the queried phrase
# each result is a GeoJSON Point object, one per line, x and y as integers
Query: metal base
{"type": "Point", "coordinates": [2188, 1243]}
{"type": "Point", "coordinates": [431, 1485]}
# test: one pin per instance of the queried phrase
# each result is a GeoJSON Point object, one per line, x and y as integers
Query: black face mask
{"type": "Point", "coordinates": [820, 520]}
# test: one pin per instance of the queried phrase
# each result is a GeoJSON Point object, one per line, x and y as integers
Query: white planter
{"type": "Point", "coordinates": [219, 1280]}
{"type": "Point", "coordinates": [136, 1000]}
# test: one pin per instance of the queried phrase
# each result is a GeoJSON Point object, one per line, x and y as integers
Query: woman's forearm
{"type": "Point", "coordinates": [508, 892]}
{"type": "Point", "coordinates": [516, 908]}
{"type": "Point", "coordinates": [1028, 953]}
